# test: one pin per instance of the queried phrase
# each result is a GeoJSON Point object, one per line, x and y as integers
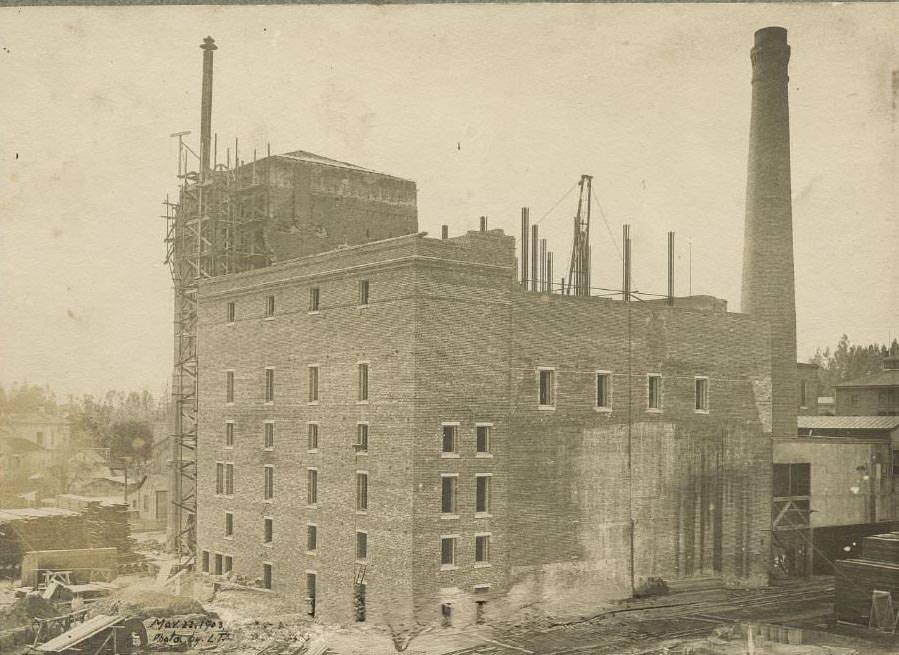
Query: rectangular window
{"type": "Point", "coordinates": [312, 436]}
{"type": "Point", "coordinates": [792, 480]}
{"type": "Point", "coordinates": [482, 548]}
{"type": "Point", "coordinates": [803, 391]}
{"type": "Point", "coordinates": [362, 437]}
{"type": "Point", "coordinates": [311, 486]}
{"type": "Point", "coordinates": [361, 491]}
{"type": "Point", "coordinates": [218, 564]}
{"type": "Point", "coordinates": [359, 601]}
{"type": "Point", "coordinates": [269, 435]}
{"type": "Point", "coordinates": [313, 299]}
{"type": "Point", "coordinates": [603, 390]}
{"type": "Point", "coordinates": [482, 439]}
{"type": "Point", "coordinates": [654, 392]}
{"type": "Point", "coordinates": [269, 305]}
{"type": "Point", "coordinates": [702, 394]}
{"type": "Point", "coordinates": [448, 494]}
{"type": "Point", "coordinates": [448, 551]}
{"type": "Point", "coordinates": [229, 563]}
{"type": "Point", "coordinates": [313, 384]}
{"type": "Point", "coordinates": [205, 561]}
{"type": "Point", "coordinates": [547, 391]}
{"type": "Point", "coordinates": [219, 478]}
{"type": "Point", "coordinates": [311, 537]}
{"type": "Point", "coordinates": [482, 494]}
{"type": "Point", "coordinates": [229, 386]}
{"type": "Point", "coordinates": [269, 483]}
{"type": "Point", "coordinates": [363, 292]}
{"type": "Point", "coordinates": [450, 440]}
{"type": "Point", "coordinates": [269, 385]}
{"type": "Point", "coordinates": [267, 529]}
{"type": "Point", "coordinates": [363, 382]}
{"type": "Point", "coordinates": [229, 434]}
{"type": "Point", "coordinates": [361, 545]}
{"type": "Point", "coordinates": [310, 594]}
{"type": "Point", "coordinates": [229, 524]}
{"type": "Point", "coordinates": [267, 576]}
{"type": "Point", "coordinates": [230, 312]}
{"type": "Point", "coordinates": [229, 479]}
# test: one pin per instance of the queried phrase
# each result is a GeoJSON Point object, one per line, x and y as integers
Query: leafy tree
{"type": "Point", "coordinates": [849, 361]}
{"type": "Point", "coordinates": [132, 439]}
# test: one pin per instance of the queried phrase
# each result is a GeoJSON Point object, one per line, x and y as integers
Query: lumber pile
{"type": "Point", "coordinates": [857, 579]}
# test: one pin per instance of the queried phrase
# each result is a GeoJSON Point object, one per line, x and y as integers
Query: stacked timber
{"type": "Point", "coordinates": [857, 579]}
{"type": "Point", "coordinates": [29, 529]}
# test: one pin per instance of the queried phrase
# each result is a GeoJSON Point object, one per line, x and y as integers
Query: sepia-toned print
{"type": "Point", "coordinates": [449, 330]}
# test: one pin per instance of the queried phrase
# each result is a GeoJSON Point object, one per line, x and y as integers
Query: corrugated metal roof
{"type": "Point", "coordinates": [26, 513]}
{"type": "Point", "coordinates": [888, 378]}
{"type": "Point", "coordinates": [79, 633]}
{"type": "Point", "coordinates": [848, 422]}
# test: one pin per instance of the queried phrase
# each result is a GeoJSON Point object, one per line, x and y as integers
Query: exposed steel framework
{"type": "Point", "coordinates": [579, 268]}
{"type": "Point", "coordinates": [215, 228]}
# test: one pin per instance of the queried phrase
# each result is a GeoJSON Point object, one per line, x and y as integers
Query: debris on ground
{"type": "Point", "coordinates": [23, 610]}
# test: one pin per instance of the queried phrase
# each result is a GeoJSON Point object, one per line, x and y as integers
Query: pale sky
{"type": "Point", "coordinates": [487, 108]}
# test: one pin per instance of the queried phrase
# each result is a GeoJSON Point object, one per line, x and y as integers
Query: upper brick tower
{"type": "Point", "coordinates": [768, 279]}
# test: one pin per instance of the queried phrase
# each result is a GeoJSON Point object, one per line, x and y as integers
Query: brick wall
{"type": "Point", "coordinates": [449, 337]}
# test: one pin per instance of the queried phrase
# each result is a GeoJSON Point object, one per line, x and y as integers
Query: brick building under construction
{"type": "Point", "coordinates": [389, 426]}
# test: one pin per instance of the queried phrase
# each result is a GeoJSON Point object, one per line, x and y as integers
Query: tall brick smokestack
{"type": "Point", "coordinates": [768, 280]}
{"type": "Point", "coordinates": [208, 48]}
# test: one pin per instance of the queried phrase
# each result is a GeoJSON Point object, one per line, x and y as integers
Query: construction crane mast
{"type": "Point", "coordinates": [578, 282]}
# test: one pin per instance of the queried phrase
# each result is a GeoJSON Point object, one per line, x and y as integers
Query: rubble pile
{"type": "Point", "coordinates": [147, 604]}
{"type": "Point", "coordinates": [24, 610]}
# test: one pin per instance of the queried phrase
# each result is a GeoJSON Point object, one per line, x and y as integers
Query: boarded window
{"type": "Point", "coordinates": [230, 312]}
{"type": "Point", "coordinates": [218, 564]}
{"type": "Point", "coordinates": [314, 296]}
{"type": "Point", "coordinates": [269, 305]}
{"type": "Point", "coordinates": [229, 563]}
{"type": "Point", "coordinates": [267, 576]}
